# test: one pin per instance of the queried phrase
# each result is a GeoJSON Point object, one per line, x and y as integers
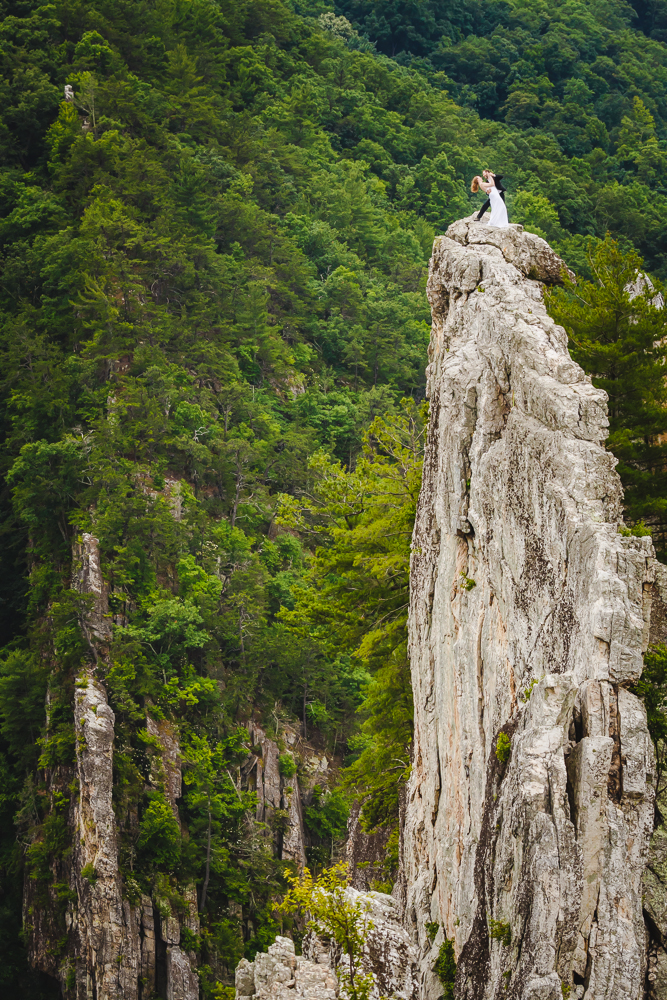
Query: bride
{"type": "Point", "coordinates": [498, 208]}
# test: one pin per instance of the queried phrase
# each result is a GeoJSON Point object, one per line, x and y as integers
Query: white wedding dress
{"type": "Point", "coordinates": [498, 209]}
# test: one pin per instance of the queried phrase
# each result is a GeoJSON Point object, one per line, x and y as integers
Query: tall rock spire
{"type": "Point", "coordinates": [530, 806]}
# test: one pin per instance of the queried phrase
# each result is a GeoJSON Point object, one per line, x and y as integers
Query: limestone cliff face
{"type": "Point", "coordinates": [99, 936]}
{"type": "Point", "coordinates": [529, 616]}
{"type": "Point", "coordinates": [113, 948]}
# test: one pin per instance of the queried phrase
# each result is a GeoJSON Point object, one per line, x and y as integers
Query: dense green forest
{"type": "Point", "coordinates": [213, 339]}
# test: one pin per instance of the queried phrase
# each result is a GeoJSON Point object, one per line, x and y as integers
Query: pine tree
{"type": "Point", "coordinates": [356, 601]}
{"type": "Point", "coordinates": [617, 328]}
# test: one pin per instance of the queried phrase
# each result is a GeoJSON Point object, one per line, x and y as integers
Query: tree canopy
{"type": "Point", "coordinates": [215, 223]}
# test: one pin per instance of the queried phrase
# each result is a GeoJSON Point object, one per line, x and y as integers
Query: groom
{"type": "Point", "coordinates": [498, 181]}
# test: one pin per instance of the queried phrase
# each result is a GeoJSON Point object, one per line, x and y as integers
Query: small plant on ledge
{"type": "Point", "coordinates": [500, 931]}
{"type": "Point", "coordinates": [432, 929]}
{"type": "Point", "coordinates": [445, 969]}
{"type": "Point", "coordinates": [503, 747]}
{"type": "Point", "coordinates": [88, 872]}
{"type": "Point", "coordinates": [287, 765]}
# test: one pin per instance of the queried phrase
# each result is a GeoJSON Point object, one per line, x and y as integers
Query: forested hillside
{"type": "Point", "coordinates": [214, 247]}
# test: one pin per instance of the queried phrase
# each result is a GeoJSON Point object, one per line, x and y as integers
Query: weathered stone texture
{"type": "Point", "coordinates": [279, 975]}
{"type": "Point", "coordinates": [388, 954]}
{"type": "Point", "coordinates": [529, 616]}
{"type": "Point", "coordinates": [110, 944]}
{"type": "Point", "coordinates": [275, 794]}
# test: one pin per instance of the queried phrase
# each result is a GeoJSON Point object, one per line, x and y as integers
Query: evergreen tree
{"type": "Point", "coordinates": [213, 248]}
{"type": "Point", "coordinates": [617, 326]}
{"type": "Point", "coordinates": [355, 599]}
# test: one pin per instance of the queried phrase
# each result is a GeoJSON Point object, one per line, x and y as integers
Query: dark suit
{"type": "Point", "coordinates": [498, 181]}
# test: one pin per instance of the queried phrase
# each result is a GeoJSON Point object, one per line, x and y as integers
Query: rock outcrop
{"type": "Point", "coordinates": [112, 948]}
{"type": "Point", "coordinates": [388, 954]}
{"type": "Point", "coordinates": [279, 975]}
{"type": "Point", "coordinates": [530, 805]}
{"type": "Point", "coordinates": [278, 797]}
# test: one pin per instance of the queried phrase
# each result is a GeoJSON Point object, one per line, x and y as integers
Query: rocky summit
{"type": "Point", "coordinates": [527, 842]}
{"type": "Point", "coordinates": [530, 805]}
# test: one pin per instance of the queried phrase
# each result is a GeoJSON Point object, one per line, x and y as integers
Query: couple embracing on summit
{"type": "Point", "coordinates": [492, 185]}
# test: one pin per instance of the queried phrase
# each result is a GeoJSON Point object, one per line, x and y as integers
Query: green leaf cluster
{"type": "Point", "coordinates": [355, 598]}
{"type": "Point", "coordinates": [213, 338]}
{"type": "Point", "coordinates": [445, 968]}
{"type": "Point", "coordinates": [339, 915]}
{"type": "Point", "coordinates": [616, 325]}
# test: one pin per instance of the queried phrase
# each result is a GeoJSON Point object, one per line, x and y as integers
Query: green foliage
{"type": "Point", "coordinates": [159, 840]}
{"type": "Point", "coordinates": [216, 811]}
{"type": "Point", "coordinates": [503, 747]}
{"type": "Point", "coordinates": [89, 873]}
{"type": "Point", "coordinates": [499, 931]}
{"type": "Point", "coordinates": [432, 929]}
{"type": "Point", "coordinates": [652, 688]}
{"type": "Point", "coordinates": [189, 940]}
{"type": "Point", "coordinates": [618, 337]}
{"type": "Point", "coordinates": [287, 765]}
{"type": "Point", "coordinates": [52, 843]}
{"type": "Point", "coordinates": [339, 916]}
{"type": "Point", "coordinates": [354, 602]}
{"type": "Point", "coordinates": [23, 681]}
{"type": "Point", "coordinates": [528, 690]}
{"type": "Point", "coordinates": [325, 820]}
{"type": "Point", "coordinates": [638, 530]}
{"type": "Point", "coordinates": [212, 988]}
{"type": "Point", "coordinates": [445, 969]}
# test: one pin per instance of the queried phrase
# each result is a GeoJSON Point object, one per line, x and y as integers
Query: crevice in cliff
{"type": "Point", "coordinates": [480, 680]}
{"type": "Point", "coordinates": [474, 963]}
{"type": "Point", "coordinates": [161, 976]}
{"type": "Point", "coordinates": [589, 953]}
{"type": "Point", "coordinates": [570, 785]}
{"type": "Point", "coordinates": [437, 789]}
{"type": "Point", "coordinates": [615, 784]}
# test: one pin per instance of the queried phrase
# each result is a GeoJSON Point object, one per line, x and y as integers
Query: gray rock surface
{"type": "Point", "coordinates": [111, 946]}
{"type": "Point", "coordinates": [389, 955]}
{"type": "Point", "coordinates": [278, 974]}
{"type": "Point", "coordinates": [276, 795]}
{"type": "Point", "coordinates": [529, 617]}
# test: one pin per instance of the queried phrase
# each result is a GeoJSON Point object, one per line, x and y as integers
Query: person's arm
{"type": "Point", "coordinates": [483, 185]}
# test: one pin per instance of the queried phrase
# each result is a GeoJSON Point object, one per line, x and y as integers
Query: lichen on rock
{"type": "Point", "coordinates": [529, 617]}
